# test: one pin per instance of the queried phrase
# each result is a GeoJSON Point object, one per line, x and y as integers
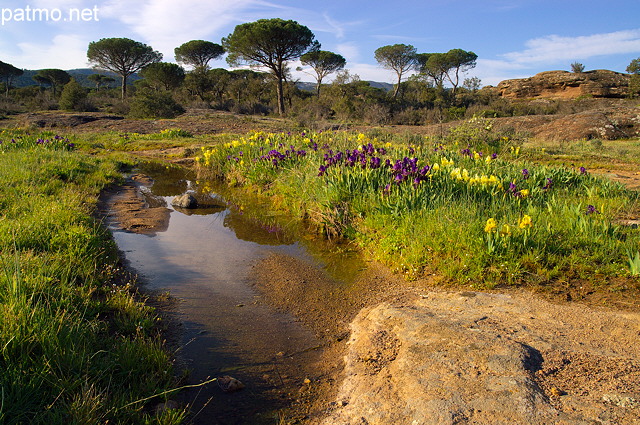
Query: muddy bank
{"type": "Point", "coordinates": [134, 208]}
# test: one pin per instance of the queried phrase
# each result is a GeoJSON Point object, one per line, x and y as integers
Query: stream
{"type": "Point", "coordinates": [204, 260]}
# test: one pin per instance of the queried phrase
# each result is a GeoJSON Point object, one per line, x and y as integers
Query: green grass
{"type": "Point", "coordinates": [74, 347]}
{"type": "Point", "coordinates": [552, 223]}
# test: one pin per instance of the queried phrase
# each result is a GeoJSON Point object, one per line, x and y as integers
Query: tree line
{"type": "Point", "coordinates": [271, 44]}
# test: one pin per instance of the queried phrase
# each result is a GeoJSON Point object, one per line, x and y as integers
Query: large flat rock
{"type": "Point", "coordinates": [476, 358]}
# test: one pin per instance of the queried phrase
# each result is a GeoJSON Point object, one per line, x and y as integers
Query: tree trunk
{"type": "Point", "coordinates": [124, 87]}
{"type": "Point", "coordinates": [397, 89]}
{"type": "Point", "coordinates": [280, 93]}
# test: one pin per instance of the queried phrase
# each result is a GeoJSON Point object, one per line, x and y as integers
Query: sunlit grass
{"type": "Point", "coordinates": [73, 347]}
{"type": "Point", "coordinates": [423, 207]}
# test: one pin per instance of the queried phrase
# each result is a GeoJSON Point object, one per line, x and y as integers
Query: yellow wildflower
{"type": "Point", "coordinates": [525, 222]}
{"type": "Point", "coordinates": [491, 225]}
{"type": "Point", "coordinates": [446, 162]}
{"type": "Point", "coordinates": [506, 230]}
{"type": "Point", "coordinates": [524, 193]}
{"type": "Point", "coordinates": [435, 167]}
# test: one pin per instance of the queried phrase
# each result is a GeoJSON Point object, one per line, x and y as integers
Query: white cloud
{"type": "Point", "coordinates": [61, 4]}
{"type": "Point", "coordinates": [491, 71]}
{"type": "Point", "coordinates": [166, 24]}
{"type": "Point", "coordinates": [349, 50]}
{"type": "Point", "coordinates": [337, 28]}
{"type": "Point", "coordinates": [64, 52]}
{"type": "Point", "coordinates": [554, 48]}
{"type": "Point", "coordinates": [370, 72]}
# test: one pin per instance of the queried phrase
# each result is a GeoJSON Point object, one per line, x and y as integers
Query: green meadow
{"type": "Point", "coordinates": [77, 345]}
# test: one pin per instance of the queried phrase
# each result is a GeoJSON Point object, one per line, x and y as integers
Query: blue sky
{"type": "Point", "coordinates": [512, 38]}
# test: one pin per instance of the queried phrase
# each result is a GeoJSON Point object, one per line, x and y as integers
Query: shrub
{"type": "Point", "coordinates": [152, 104]}
{"type": "Point", "coordinates": [74, 98]}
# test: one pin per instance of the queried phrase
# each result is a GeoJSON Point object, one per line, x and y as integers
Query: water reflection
{"type": "Point", "coordinates": [204, 258]}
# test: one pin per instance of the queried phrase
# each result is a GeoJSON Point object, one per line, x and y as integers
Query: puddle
{"type": "Point", "coordinates": [204, 259]}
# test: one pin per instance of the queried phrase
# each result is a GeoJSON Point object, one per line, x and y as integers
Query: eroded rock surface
{"type": "Point", "coordinates": [475, 358]}
{"type": "Point", "coordinates": [567, 85]}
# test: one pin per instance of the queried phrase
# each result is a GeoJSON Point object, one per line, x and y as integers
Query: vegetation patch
{"type": "Point", "coordinates": [75, 347]}
{"type": "Point", "coordinates": [475, 212]}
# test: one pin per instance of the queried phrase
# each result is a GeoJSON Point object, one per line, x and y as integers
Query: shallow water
{"type": "Point", "coordinates": [204, 260]}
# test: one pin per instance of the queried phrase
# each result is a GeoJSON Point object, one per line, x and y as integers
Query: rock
{"type": "Point", "coordinates": [186, 200]}
{"type": "Point", "coordinates": [163, 407]}
{"type": "Point", "coordinates": [452, 358]}
{"type": "Point", "coordinates": [618, 400]}
{"type": "Point", "coordinates": [142, 179]}
{"type": "Point", "coordinates": [567, 85]}
{"type": "Point", "coordinates": [229, 384]}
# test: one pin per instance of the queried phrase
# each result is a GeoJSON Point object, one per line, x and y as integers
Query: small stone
{"type": "Point", "coordinates": [621, 401]}
{"type": "Point", "coordinates": [186, 200]}
{"type": "Point", "coordinates": [556, 392]}
{"type": "Point", "coordinates": [163, 407]}
{"type": "Point", "coordinates": [229, 384]}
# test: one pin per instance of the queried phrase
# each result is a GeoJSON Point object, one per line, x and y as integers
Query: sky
{"type": "Point", "coordinates": [512, 38]}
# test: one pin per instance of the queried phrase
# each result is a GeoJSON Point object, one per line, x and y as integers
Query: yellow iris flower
{"type": "Point", "coordinates": [491, 225]}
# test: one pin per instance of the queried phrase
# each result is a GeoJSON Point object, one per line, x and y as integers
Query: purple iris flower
{"type": "Point", "coordinates": [592, 210]}
{"type": "Point", "coordinates": [583, 170]}
{"type": "Point", "coordinates": [525, 173]}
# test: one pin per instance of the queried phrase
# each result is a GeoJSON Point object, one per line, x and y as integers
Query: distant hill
{"type": "Point", "coordinates": [307, 86]}
{"type": "Point", "coordinates": [79, 74]}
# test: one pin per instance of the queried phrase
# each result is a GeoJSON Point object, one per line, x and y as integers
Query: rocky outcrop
{"type": "Point", "coordinates": [567, 85]}
{"type": "Point", "coordinates": [186, 200]}
{"type": "Point", "coordinates": [474, 358]}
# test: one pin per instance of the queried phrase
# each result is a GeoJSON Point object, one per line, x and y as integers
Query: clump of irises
{"type": "Point", "coordinates": [26, 140]}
